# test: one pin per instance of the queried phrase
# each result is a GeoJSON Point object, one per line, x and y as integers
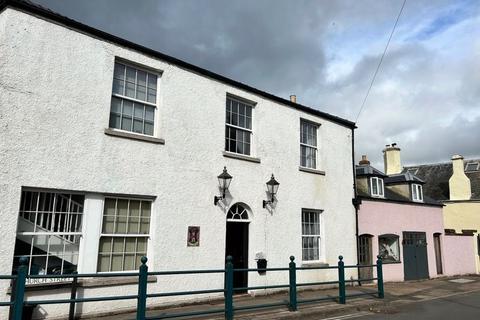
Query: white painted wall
{"type": "Point", "coordinates": [55, 92]}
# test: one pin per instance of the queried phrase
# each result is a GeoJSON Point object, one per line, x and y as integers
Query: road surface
{"type": "Point", "coordinates": [459, 307]}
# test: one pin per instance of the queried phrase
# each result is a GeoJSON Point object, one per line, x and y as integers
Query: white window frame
{"type": "Point", "coordinates": [417, 192]}
{"type": "Point", "coordinates": [134, 100]}
{"type": "Point", "coordinates": [309, 146]}
{"type": "Point", "coordinates": [147, 236]}
{"type": "Point", "coordinates": [48, 222]}
{"type": "Point", "coordinates": [250, 105]}
{"type": "Point", "coordinates": [380, 187]}
{"type": "Point", "coordinates": [320, 236]}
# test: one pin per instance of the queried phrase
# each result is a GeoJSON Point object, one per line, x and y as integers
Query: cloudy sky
{"type": "Point", "coordinates": [426, 96]}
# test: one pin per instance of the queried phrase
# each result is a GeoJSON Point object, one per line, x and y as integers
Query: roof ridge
{"type": "Point", "coordinates": [426, 164]}
{"type": "Point", "coordinates": [437, 163]}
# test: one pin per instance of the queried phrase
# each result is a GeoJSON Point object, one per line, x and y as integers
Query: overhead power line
{"type": "Point", "coordinates": [380, 62]}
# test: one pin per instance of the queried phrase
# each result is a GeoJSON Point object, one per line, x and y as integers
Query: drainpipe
{"type": "Point", "coordinates": [355, 202]}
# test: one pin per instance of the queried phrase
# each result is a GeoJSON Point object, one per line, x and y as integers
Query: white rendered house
{"type": "Point", "coordinates": [110, 151]}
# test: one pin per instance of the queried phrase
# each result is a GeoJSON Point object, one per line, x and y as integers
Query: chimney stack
{"type": "Point", "coordinates": [293, 98]}
{"type": "Point", "coordinates": [364, 161]}
{"type": "Point", "coordinates": [391, 159]}
{"type": "Point", "coordinates": [459, 184]}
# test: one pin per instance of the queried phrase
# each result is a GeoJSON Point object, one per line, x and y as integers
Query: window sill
{"type": "Point", "coordinates": [307, 264]}
{"type": "Point", "coordinates": [314, 171]}
{"type": "Point", "coordinates": [240, 157]}
{"type": "Point", "coordinates": [86, 283]}
{"type": "Point", "coordinates": [133, 136]}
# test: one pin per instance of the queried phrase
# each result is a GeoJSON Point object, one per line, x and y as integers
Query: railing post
{"type": "Point", "coordinates": [142, 289]}
{"type": "Point", "coordinates": [20, 288]}
{"type": "Point", "coordinates": [73, 296]}
{"type": "Point", "coordinates": [229, 289]}
{"type": "Point", "coordinates": [292, 269]}
{"type": "Point", "coordinates": [381, 292]}
{"type": "Point", "coordinates": [341, 281]}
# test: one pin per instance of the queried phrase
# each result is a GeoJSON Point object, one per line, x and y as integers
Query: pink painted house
{"type": "Point", "coordinates": [387, 227]}
{"type": "Point", "coordinates": [397, 222]}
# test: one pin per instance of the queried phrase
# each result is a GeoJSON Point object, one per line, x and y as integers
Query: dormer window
{"type": "Point", "coordinates": [417, 192]}
{"type": "Point", "coordinates": [413, 171]}
{"type": "Point", "coordinates": [376, 187]}
{"type": "Point", "coordinates": [472, 166]}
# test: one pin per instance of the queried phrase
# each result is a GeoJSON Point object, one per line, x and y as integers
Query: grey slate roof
{"type": "Point", "coordinates": [403, 177]}
{"type": "Point", "coordinates": [390, 195]}
{"type": "Point", "coordinates": [436, 178]}
{"type": "Point", "coordinates": [368, 170]}
{"type": "Point", "coordinates": [396, 197]}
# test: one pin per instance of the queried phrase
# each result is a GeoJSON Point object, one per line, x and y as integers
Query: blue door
{"type": "Point", "coordinates": [415, 259]}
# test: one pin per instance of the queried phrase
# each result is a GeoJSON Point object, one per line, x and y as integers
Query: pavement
{"type": "Point", "coordinates": [425, 296]}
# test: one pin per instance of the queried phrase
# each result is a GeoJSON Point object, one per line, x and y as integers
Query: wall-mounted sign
{"type": "Point", "coordinates": [193, 236]}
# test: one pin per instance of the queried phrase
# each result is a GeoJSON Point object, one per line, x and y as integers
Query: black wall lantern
{"type": "Point", "coordinates": [224, 180]}
{"type": "Point", "coordinates": [272, 188]}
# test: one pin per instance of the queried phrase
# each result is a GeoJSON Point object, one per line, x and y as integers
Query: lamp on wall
{"type": "Point", "coordinates": [272, 188]}
{"type": "Point", "coordinates": [224, 180]}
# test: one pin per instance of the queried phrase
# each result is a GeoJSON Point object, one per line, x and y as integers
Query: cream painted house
{"type": "Point", "coordinates": [457, 185]}
{"type": "Point", "coordinates": [110, 151]}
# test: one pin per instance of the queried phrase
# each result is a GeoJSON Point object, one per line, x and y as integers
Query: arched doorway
{"type": "Point", "coordinates": [237, 243]}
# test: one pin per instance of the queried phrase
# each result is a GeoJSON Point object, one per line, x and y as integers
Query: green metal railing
{"type": "Point", "coordinates": [18, 301]}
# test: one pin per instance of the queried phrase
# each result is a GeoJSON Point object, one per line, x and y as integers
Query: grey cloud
{"type": "Point", "coordinates": [269, 44]}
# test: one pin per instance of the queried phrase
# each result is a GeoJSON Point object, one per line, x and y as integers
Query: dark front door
{"type": "Point", "coordinates": [365, 256]}
{"type": "Point", "coordinates": [237, 247]}
{"type": "Point", "coordinates": [415, 261]}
